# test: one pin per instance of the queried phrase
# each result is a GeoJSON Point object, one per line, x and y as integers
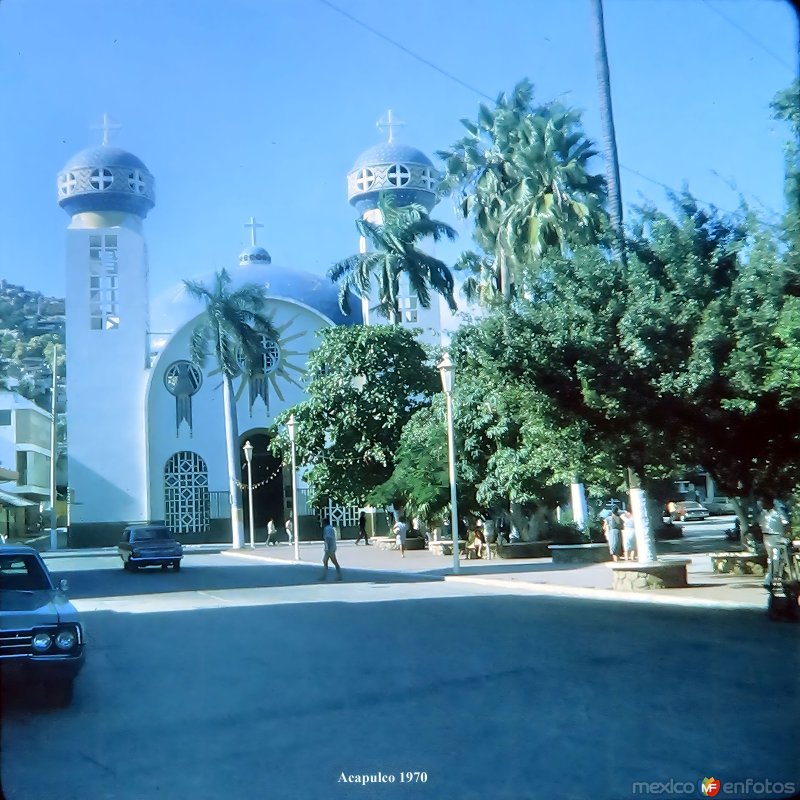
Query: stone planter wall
{"type": "Point", "coordinates": [632, 576]}
{"type": "Point", "coordinates": [524, 550]}
{"type": "Point", "coordinates": [579, 553]}
{"type": "Point", "coordinates": [742, 563]}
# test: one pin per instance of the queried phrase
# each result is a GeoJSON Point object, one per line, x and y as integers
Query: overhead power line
{"type": "Point", "coordinates": [464, 84]}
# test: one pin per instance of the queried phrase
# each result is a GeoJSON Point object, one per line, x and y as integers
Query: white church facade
{"type": "Point", "coordinates": [145, 425]}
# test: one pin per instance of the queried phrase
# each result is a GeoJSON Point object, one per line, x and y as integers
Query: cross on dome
{"type": "Point", "coordinates": [107, 126]}
{"type": "Point", "coordinates": [390, 123]}
{"type": "Point", "coordinates": [253, 225]}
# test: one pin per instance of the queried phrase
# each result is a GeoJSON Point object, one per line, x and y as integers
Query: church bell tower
{"type": "Point", "coordinates": [107, 192]}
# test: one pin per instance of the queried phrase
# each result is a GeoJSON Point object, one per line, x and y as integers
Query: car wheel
{"type": "Point", "coordinates": [59, 693]}
{"type": "Point", "coordinates": [176, 565]}
{"type": "Point", "coordinates": [164, 567]}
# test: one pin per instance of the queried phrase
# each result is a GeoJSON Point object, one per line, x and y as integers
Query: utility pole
{"type": "Point", "coordinates": [53, 454]}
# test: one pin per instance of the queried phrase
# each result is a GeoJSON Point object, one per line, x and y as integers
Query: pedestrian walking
{"type": "Point", "coordinates": [400, 530]}
{"type": "Point", "coordinates": [362, 528]}
{"type": "Point", "coordinates": [289, 530]}
{"type": "Point", "coordinates": [329, 541]}
{"type": "Point", "coordinates": [628, 536]}
{"type": "Point", "coordinates": [613, 526]}
{"type": "Point", "coordinates": [272, 533]}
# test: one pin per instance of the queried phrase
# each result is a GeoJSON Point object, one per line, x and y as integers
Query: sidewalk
{"type": "Point", "coordinates": [538, 576]}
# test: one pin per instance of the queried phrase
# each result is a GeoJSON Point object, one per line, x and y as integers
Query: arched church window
{"type": "Point", "coordinates": [183, 379]}
{"type": "Point", "coordinates": [364, 179]}
{"type": "Point", "coordinates": [101, 178]}
{"type": "Point", "coordinates": [186, 498]}
{"type": "Point", "coordinates": [136, 181]}
{"type": "Point", "coordinates": [398, 175]}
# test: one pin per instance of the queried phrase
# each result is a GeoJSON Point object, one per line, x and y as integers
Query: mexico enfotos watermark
{"type": "Point", "coordinates": [713, 787]}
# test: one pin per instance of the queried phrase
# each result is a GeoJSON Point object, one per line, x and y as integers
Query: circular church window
{"type": "Point", "coordinates": [269, 355]}
{"type": "Point", "coordinates": [183, 378]}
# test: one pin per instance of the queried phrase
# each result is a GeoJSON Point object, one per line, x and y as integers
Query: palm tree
{"type": "Point", "coordinates": [522, 174]}
{"type": "Point", "coordinates": [609, 134]}
{"type": "Point", "coordinates": [392, 251]}
{"type": "Point", "coordinates": [233, 324]}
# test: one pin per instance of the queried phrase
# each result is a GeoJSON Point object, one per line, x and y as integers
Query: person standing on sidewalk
{"type": "Point", "coordinates": [628, 536]}
{"type": "Point", "coordinates": [613, 530]}
{"type": "Point", "coordinates": [272, 532]}
{"type": "Point", "coordinates": [329, 542]}
{"type": "Point", "coordinates": [773, 526]}
{"type": "Point", "coordinates": [362, 528]}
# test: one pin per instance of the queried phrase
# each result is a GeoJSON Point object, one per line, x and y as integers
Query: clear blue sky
{"type": "Point", "coordinates": [260, 107]}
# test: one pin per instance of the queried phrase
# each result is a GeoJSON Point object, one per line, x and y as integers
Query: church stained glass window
{"type": "Point", "coordinates": [183, 379]}
{"type": "Point", "coordinates": [186, 497]}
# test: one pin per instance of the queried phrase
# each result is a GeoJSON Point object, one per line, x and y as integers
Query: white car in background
{"type": "Point", "coordinates": [719, 505]}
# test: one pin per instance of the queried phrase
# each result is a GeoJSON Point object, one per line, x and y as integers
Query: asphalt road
{"type": "Point", "coordinates": [239, 680]}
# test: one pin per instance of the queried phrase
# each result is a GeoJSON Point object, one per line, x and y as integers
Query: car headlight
{"type": "Point", "coordinates": [41, 642]}
{"type": "Point", "coordinates": [66, 639]}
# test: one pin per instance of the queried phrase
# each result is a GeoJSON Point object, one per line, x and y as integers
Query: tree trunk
{"type": "Point", "coordinates": [234, 465]}
{"type": "Point", "coordinates": [609, 134]}
{"type": "Point", "coordinates": [505, 279]}
{"type": "Point", "coordinates": [578, 497]}
{"type": "Point", "coordinates": [645, 540]}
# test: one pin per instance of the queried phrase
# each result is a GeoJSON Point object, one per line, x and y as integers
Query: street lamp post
{"type": "Point", "coordinates": [248, 457]}
{"type": "Point", "coordinates": [446, 370]}
{"type": "Point", "coordinates": [291, 426]}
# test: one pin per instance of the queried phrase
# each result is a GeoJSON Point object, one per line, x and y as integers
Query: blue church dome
{"type": "Point", "coordinates": [105, 178]}
{"type": "Point", "coordinates": [254, 255]}
{"type": "Point", "coordinates": [403, 171]}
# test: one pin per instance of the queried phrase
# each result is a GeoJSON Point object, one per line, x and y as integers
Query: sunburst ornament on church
{"type": "Point", "coordinates": [277, 364]}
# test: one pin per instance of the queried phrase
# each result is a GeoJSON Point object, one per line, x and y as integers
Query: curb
{"type": "Point", "coordinates": [555, 590]}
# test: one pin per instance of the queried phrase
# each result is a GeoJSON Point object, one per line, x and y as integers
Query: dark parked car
{"type": "Point", "coordinates": [719, 505]}
{"type": "Point", "coordinates": [149, 545]}
{"type": "Point", "coordinates": [689, 510]}
{"type": "Point", "coordinates": [41, 636]}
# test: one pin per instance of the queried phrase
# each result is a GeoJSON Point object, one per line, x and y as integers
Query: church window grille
{"type": "Point", "coordinates": [186, 496]}
{"type": "Point", "coordinates": [427, 178]}
{"type": "Point", "coordinates": [364, 179]}
{"type": "Point", "coordinates": [101, 179]}
{"type": "Point", "coordinates": [67, 183]}
{"type": "Point", "coordinates": [136, 181]}
{"type": "Point", "coordinates": [103, 282]}
{"type": "Point", "coordinates": [398, 175]}
{"type": "Point", "coordinates": [269, 356]}
{"type": "Point", "coordinates": [409, 308]}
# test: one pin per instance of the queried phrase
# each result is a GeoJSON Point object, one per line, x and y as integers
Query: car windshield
{"type": "Point", "coordinates": [23, 572]}
{"type": "Point", "coordinates": [149, 534]}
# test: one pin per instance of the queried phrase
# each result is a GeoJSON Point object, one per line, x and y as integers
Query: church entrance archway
{"type": "Point", "coordinates": [267, 486]}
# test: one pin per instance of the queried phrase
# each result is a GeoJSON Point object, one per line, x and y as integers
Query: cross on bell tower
{"type": "Point", "coordinates": [253, 225]}
{"type": "Point", "coordinates": [107, 126]}
{"type": "Point", "coordinates": [390, 123]}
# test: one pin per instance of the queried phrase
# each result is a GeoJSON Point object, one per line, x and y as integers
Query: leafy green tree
{"type": "Point", "coordinates": [393, 251]}
{"type": "Point", "coordinates": [232, 325]}
{"type": "Point", "coordinates": [366, 383]}
{"type": "Point", "coordinates": [522, 174]}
